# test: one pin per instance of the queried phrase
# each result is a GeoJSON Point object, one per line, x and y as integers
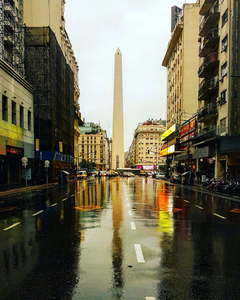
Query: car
{"type": "Point", "coordinates": [82, 175]}
{"type": "Point", "coordinates": [176, 178]}
{"type": "Point", "coordinates": [128, 174]}
{"type": "Point", "coordinates": [143, 173]}
{"type": "Point", "coordinates": [103, 173]}
{"type": "Point", "coordinates": [160, 175]}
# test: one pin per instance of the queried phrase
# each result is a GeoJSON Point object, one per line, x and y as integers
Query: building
{"type": "Point", "coordinates": [16, 99]}
{"type": "Point", "coordinates": [148, 143]}
{"type": "Point", "coordinates": [93, 146]}
{"type": "Point", "coordinates": [217, 142]}
{"type": "Point", "coordinates": [118, 133]}
{"type": "Point", "coordinates": [181, 61]}
{"type": "Point", "coordinates": [55, 79]}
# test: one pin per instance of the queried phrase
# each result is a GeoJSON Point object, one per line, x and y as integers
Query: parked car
{"type": "Point", "coordinates": [82, 175]}
{"type": "Point", "coordinates": [103, 173]}
{"type": "Point", "coordinates": [143, 173]}
{"type": "Point", "coordinates": [176, 178]}
{"type": "Point", "coordinates": [128, 174]}
{"type": "Point", "coordinates": [160, 175]}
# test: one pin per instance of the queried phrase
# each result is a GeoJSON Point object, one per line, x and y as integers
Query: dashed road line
{"type": "Point", "coordinates": [186, 201]}
{"type": "Point", "coordinates": [130, 213]}
{"type": "Point", "coordinates": [37, 213]}
{"type": "Point", "coordinates": [64, 199]}
{"type": "Point", "coordinates": [199, 207]}
{"type": "Point", "coordinates": [128, 204]}
{"type": "Point", "coordinates": [133, 226]}
{"type": "Point", "coordinates": [219, 216]}
{"type": "Point", "coordinates": [10, 227]}
{"type": "Point", "coordinates": [72, 195]}
{"type": "Point", "coordinates": [150, 298]}
{"type": "Point", "coordinates": [54, 204]}
{"type": "Point", "coordinates": [139, 254]}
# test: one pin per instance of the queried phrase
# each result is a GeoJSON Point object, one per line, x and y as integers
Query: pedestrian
{"type": "Point", "coordinates": [198, 176]}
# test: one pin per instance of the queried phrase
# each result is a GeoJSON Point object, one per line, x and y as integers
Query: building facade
{"type": "Point", "coordinates": [217, 142]}
{"type": "Point", "coordinates": [93, 146]}
{"type": "Point", "coordinates": [16, 99]}
{"type": "Point", "coordinates": [148, 143]}
{"type": "Point", "coordinates": [181, 61]}
{"type": "Point", "coordinates": [57, 102]}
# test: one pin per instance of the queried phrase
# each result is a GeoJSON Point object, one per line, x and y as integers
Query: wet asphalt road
{"type": "Point", "coordinates": [119, 238]}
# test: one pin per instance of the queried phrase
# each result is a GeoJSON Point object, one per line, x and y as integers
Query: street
{"type": "Point", "coordinates": [119, 238]}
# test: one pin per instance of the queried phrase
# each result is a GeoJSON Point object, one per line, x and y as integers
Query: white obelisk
{"type": "Point", "coordinates": [117, 137]}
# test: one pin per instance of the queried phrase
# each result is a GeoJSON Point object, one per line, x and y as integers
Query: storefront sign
{"type": "Point", "coordinates": [14, 151]}
{"type": "Point", "coordinates": [184, 129]}
{"type": "Point", "coordinates": [168, 132]}
{"type": "Point", "coordinates": [192, 125]}
{"type": "Point", "coordinates": [167, 151]}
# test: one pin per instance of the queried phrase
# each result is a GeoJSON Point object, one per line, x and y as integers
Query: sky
{"type": "Point", "coordinates": [142, 30]}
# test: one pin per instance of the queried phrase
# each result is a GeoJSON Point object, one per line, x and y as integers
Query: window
{"type": "Point", "coordinates": [21, 117]}
{"type": "Point", "coordinates": [225, 43]}
{"type": "Point", "coordinates": [224, 69]}
{"type": "Point", "coordinates": [223, 124]}
{"type": "Point", "coordinates": [29, 120]}
{"type": "Point", "coordinates": [14, 119]}
{"type": "Point", "coordinates": [223, 98]}
{"type": "Point", "coordinates": [4, 108]}
{"type": "Point", "coordinates": [224, 17]}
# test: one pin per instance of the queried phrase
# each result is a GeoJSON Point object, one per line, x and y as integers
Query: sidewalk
{"type": "Point", "coordinates": [26, 188]}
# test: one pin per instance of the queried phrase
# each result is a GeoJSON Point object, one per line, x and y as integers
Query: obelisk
{"type": "Point", "coordinates": [117, 136]}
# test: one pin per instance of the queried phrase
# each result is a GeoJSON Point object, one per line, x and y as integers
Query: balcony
{"type": "Point", "coordinates": [205, 6]}
{"type": "Point", "coordinates": [207, 113]}
{"type": "Point", "coordinates": [209, 20]}
{"type": "Point", "coordinates": [210, 62]}
{"type": "Point", "coordinates": [205, 136]}
{"type": "Point", "coordinates": [210, 42]}
{"type": "Point", "coordinates": [207, 88]}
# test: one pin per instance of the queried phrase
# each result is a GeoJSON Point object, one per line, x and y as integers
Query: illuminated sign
{"type": "Point", "coordinates": [192, 124]}
{"type": "Point", "coordinates": [167, 151]}
{"type": "Point", "coordinates": [168, 132]}
{"type": "Point", "coordinates": [13, 151]}
{"type": "Point", "coordinates": [184, 129]}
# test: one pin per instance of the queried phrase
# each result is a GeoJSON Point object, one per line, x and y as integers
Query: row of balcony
{"type": "Point", "coordinates": [211, 40]}
{"type": "Point", "coordinates": [210, 62]}
{"type": "Point", "coordinates": [210, 18]}
{"type": "Point", "coordinates": [208, 87]}
{"type": "Point", "coordinates": [209, 134]}
{"type": "Point", "coordinates": [207, 113]}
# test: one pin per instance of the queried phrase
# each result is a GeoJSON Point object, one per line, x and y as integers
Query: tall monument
{"type": "Point", "coordinates": [118, 138]}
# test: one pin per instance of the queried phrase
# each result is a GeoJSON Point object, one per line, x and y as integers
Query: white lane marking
{"type": "Point", "coordinates": [72, 195]}
{"type": "Point", "coordinates": [133, 225]}
{"type": "Point", "coordinates": [186, 201]}
{"type": "Point", "coordinates": [130, 213]}
{"type": "Point", "coordinates": [150, 298]}
{"type": "Point", "coordinates": [10, 227]}
{"type": "Point", "coordinates": [64, 199]}
{"type": "Point", "coordinates": [199, 207]}
{"type": "Point", "coordinates": [219, 216]}
{"type": "Point", "coordinates": [54, 204]}
{"type": "Point", "coordinates": [37, 213]}
{"type": "Point", "coordinates": [177, 197]}
{"type": "Point", "coordinates": [128, 204]}
{"type": "Point", "coordinates": [139, 253]}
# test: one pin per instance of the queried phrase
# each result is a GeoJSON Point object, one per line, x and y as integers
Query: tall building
{"type": "Point", "coordinates": [118, 134]}
{"type": "Point", "coordinates": [182, 81]}
{"type": "Point", "coordinates": [16, 98]}
{"type": "Point", "coordinates": [52, 69]}
{"type": "Point", "coordinates": [94, 146]}
{"type": "Point", "coordinates": [148, 143]}
{"type": "Point", "coordinates": [217, 142]}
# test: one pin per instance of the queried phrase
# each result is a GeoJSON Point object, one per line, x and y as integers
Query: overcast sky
{"type": "Point", "coordinates": [141, 29]}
